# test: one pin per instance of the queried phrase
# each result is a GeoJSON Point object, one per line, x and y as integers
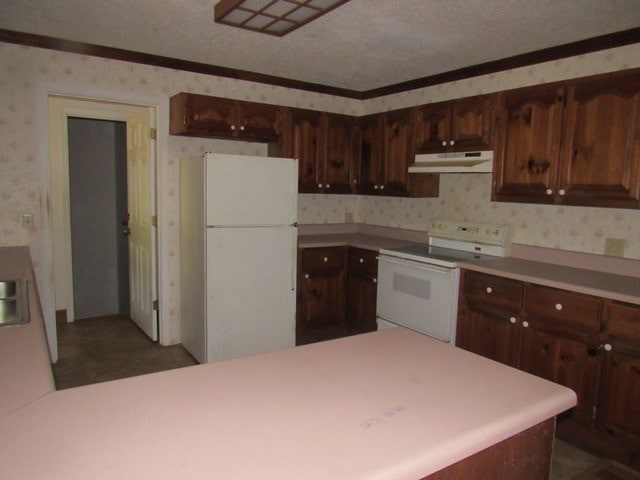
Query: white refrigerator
{"type": "Point", "coordinates": [238, 242]}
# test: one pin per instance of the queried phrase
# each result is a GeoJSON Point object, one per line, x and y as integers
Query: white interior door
{"type": "Point", "coordinates": [142, 238]}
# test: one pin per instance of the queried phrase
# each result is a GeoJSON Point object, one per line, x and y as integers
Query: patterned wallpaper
{"type": "Point", "coordinates": [26, 72]}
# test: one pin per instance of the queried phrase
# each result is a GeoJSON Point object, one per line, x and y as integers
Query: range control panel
{"type": "Point", "coordinates": [486, 233]}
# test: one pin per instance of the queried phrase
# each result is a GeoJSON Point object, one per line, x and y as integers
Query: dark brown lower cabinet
{"type": "Point", "coordinates": [361, 290]}
{"type": "Point", "coordinates": [587, 343]}
{"type": "Point", "coordinates": [562, 360]}
{"type": "Point", "coordinates": [336, 293]}
{"type": "Point", "coordinates": [320, 295]}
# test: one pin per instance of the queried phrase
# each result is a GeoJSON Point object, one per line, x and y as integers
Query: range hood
{"type": "Point", "coordinates": [454, 162]}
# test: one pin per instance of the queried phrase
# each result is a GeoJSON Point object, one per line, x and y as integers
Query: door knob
{"type": "Point", "coordinates": [126, 231]}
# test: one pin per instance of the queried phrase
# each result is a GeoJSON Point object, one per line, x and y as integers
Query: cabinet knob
{"type": "Point", "coordinates": [452, 142]}
{"type": "Point", "coordinates": [242, 127]}
{"type": "Point", "coordinates": [444, 144]}
{"type": "Point", "coordinates": [319, 185]}
{"type": "Point", "coordinates": [361, 260]}
{"type": "Point", "coordinates": [233, 127]}
{"type": "Point", "coordinates": [558, 306]}
{"type": "Point", "coordinates": [489, 289]}
{"type": "Point", "coordinates": [375, 187]}
{"type": "Point", "coordinates": [607, 347]}
{"type": "Point", "coordinates": [306, 275]}
{"type": "Point", "coordinates": [375, 280]}
{"type": "Point", "coordinates": [549, 191]}
{"type": "Point", "coordinates": [355, 181]}
{"type": "Point", "coordinates": [325, 259]}
{"type": "Point", "coordinates": [381, 187]}
{"type": "Point", "coordinates": [525, 324]}
{"type": "Point", "coordinates": [327, 186]}
{"type": "Point", "coordinates": [561, 191]}
{"type": "Point", "coordinates": [512, 320]}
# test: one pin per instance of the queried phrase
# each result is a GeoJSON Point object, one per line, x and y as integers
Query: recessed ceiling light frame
{"type": "Point", "coordinates": [273, 17]}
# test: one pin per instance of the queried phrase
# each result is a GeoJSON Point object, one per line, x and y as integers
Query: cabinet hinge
{"type": "Point", "coordinates": [155, 305]}
{"type": "Point", "coordinates": [153, 133]}
{"type": "Point", "coordinates": [154, 221]}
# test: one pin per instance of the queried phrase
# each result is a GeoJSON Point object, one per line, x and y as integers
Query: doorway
{"type": "Point", "coordinates": [67, 113]}
{"type": "Point", "coordinates": [98, 211]}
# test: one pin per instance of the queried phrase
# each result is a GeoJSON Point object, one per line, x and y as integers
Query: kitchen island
{"type": "Point", "coordinates": [392, 404]}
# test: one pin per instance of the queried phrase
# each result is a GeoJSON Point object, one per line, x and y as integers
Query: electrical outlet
{"type": "Point", "coordinates": [614, 246]}
{"type": "Point", "coordinates": [348, 217]}
{"type": "Point", "coordinates": [27, 221]}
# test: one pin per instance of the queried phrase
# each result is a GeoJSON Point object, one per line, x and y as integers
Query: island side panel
{"type": "Point", "coordinates": [525, 456]}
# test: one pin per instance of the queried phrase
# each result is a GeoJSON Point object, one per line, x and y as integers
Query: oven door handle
{"type": "Point", "coordinates": [414, 264]}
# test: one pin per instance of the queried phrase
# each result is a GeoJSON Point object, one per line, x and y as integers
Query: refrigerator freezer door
{"type": "Point", "coordinates": [250, 290]}
{"type": "Point", "coordinates": [244, 190]}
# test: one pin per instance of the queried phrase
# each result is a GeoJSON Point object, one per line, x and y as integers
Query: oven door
{"type": "Point", "coordinates": [418, 296]}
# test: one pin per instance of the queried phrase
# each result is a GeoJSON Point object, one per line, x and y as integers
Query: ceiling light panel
{"type": "Point", "coordinates": [274, 17]}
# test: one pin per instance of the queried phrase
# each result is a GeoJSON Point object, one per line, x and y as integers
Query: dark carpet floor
{"type": "Point", "coordinates": [100, 349]}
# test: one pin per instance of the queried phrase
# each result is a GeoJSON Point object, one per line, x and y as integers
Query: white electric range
{"type": "Point", "coordinates": [418, 284]}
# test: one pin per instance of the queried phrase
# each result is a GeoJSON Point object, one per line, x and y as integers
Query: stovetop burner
{"type": "Point", "coordinates": [452, 242]}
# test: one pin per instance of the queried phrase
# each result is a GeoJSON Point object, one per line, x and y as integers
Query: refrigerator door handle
{"type": "Point", "coordinates": [294, 253]}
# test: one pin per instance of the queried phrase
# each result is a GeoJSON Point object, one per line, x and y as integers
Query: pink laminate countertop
{"type": "Point", "coordinates": [25, 368]}
{"type": "Point", "coordinates": [608, 285]}
{"type": "Point", "coordinates": [392, 404]}
{"type": "Point", "coordinates": [360, 240]}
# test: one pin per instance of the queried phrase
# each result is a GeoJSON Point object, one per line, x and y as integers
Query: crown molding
{"type": "Point", "coordinates": [581, 47]}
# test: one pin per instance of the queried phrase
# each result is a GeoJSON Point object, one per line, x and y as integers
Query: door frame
{"type": "Point", "coordinates": [45, 269]}
{"type": "Point", "coordinates": [60, 109]}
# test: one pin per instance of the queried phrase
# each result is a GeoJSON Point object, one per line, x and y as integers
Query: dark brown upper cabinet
{"type": "Point", "coordinates": [214, 117]}
{"type": "Point", "coordinates": [386, 149]}
{"type": "Point", "coordinates": [600, 152]}
{"type": "Point", "coordinates": [527, 149]}
{"type": "Point", "coordinates": [324, 145]}
{"type": "Point", "coordinates": [459, 125]}
{"type": "Point", "coordinates": [574, 143]}
{"type": "Point", "coordinates": [340, 145]}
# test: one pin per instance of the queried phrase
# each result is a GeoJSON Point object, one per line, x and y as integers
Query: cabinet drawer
{"type": "Point", "coordinates": [623, 320]}
{"type": "Point", "coordinates": [571, 309]}
{"type": "Point", "coordinates": [364, 262]}
{"type": "Point", "coordinates": [493, 289]}
{"type": "Point", "coordinates": [323, 258]}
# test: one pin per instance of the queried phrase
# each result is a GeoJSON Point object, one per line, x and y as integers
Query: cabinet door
{"type": "Point", "coordinates": [258, 121]}
{"type": "Point", "coordinates": [398, 151]}
{"type": "Point", "coordinates": [362, 286]}
{"type": "Point", "coordinates": [618, 412]}
{"type": "Point", "coordinates": [528, 149]}
{"type": "Point", "coordinates": [368, 170]}
{"type": "Point", "coordinates": [600, 162]}
{"type": "Point", "coordinates": [321, 295]}
{"type": "Point", "coordinates": [202, 115]}
{"type": "Point", "coordinates": [488, 334]}
{"type": "Point", "coordinates": [471, 124]}
{"type": "Point", "coordinates": [433, 127]}
{"type": "Point", "coordinates": [563, 360]}
{"type": "Point", "coordinates": [305, 135]}
{"type": "Point", "coordinates": [340, 147]}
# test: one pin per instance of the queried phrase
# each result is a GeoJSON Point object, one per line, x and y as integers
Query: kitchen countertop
{"type": "Point", "coordinates": [392, 404]}
{"type": "Point", "coordinates": [360, 240]}
{"type": "Point", "coordinates": [592, 282]}
{"type": "Point", "coordinates": [25, 369]}
{"type": "Point", "coordinates": [608, 285]}
{"type": "Point", "coordinates": [385, 405]}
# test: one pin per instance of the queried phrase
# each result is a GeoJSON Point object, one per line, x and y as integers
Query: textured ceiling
{"type": "Point", "coordinates": [361, 45]}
